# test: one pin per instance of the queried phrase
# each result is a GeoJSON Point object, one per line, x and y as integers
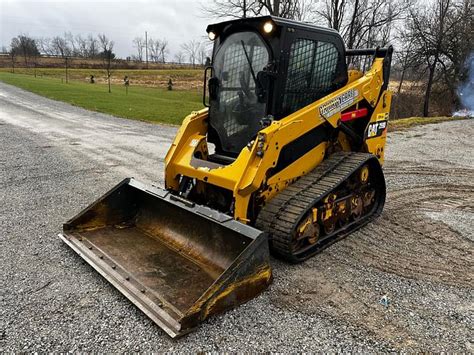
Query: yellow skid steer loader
{"type": "Point", "coordinates": [286, 157]}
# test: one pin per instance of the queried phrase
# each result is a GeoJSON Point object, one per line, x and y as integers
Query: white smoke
{"type": "Point", "coordinates": [466, 91]}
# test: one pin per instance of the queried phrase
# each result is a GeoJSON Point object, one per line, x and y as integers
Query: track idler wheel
{"type": "Point", "coordinates": [308, 232]}
{"type": "Point", "coordinates": [357, 207]}
{"type": "Point", "coordinates": [364, 175]}
{"type": "Point", "coordinates": [329, 214]}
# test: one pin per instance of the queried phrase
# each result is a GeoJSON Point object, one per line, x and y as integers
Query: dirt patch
{"type": "Point", "coordinates": [356, 306]}
{"type": "Point", "coordinates": [405, 243]}
{"type": "Point", "coordinates": [420, 248]}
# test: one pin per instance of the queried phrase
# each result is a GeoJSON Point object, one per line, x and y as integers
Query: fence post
{"type": "Point", "coordinates": [66, 71]}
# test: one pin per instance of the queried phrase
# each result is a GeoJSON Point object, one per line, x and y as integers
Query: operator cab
{"type": "Point", "coordinates": [266, 68]}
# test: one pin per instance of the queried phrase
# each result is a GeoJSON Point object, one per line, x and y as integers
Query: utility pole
{"type": "Point", "coordinates": [146, 49]}
{"type": "Point", "coordinates": [245, 8]}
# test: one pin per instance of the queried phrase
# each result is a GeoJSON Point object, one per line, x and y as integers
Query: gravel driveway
{"type": "Point", "coordinates": [55, 159]}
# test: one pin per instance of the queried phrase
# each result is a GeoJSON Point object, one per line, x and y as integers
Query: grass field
{"type": "Point", "coordinates": [142, 103]}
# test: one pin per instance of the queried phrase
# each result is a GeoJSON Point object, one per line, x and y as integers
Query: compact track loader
{"type": "Point", "coordinates": [286, 157]}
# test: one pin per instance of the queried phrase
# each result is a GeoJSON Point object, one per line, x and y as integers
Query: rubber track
{"type": "Point", "coordinates": [281, 215]}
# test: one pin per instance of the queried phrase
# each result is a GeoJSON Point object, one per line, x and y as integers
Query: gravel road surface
{"type": "Point", "coordinates": [55, 159]}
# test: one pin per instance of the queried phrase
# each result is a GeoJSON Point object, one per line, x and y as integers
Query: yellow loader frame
{"type": "Point", "coordinates": [247, 173]}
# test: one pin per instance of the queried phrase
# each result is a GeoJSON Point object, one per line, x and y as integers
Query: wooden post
{"type": "Point", "coordinates": [66, 72]}
{"type": "Point", "coordinates": [126, 82]}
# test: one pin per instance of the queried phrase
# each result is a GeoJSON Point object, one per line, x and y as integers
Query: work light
{"type": "Point", "coordinates": [268, 27]}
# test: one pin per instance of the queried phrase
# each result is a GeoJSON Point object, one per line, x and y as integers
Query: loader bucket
{"type": "Point", "coordinates": [177, 261]}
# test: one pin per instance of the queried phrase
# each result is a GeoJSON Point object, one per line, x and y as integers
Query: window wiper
{"type": "Point", "coordinates": [257, 82]}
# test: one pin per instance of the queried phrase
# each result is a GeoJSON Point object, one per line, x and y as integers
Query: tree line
{"type": "Point", "coordinates": [157, 50]}
{"type": "Point", "coordinates": [433, 39]}
{"type": "Point", "coordinates": [62, 46]}
{"type": "Point", "coordinates": [100, 47]}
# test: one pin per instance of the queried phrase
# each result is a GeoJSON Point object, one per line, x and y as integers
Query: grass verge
{"type": "Point", "coordinates": [142, 103]}
{"type": "Point", "coordinates": [405, 123]}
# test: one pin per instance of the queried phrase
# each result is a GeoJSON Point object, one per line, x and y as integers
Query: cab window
{"type": "Point", "coordinates": [312, 73]}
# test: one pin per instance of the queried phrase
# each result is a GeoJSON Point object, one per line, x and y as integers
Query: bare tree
{"type": "Point", "coordinates": [139, 44]}
{"type": "Point", "coordinates": [25, 46]}
{"type": "Point", "coordinates": [227, 8]}
{"type": "Point", "coordinates": [59, 46]}
{"type": "Point", "coordinates": [71, 44]}
{"type": "Point", "coordinates": [68, 45]}
{"type": "Point", "coordinates": [205, 52]}
{"type": "Point", "coordinates": [354, 21]}
{"type": "Point", "coordinates": [92, 46]}
{"type": "Point", "coordinates": [154, 49]}
{"type": "Point", "coordinates": [163, 50]}
{"type": "Point", "coordinates": [293, 9]}
{"type": "Point", "coordinates": [107, 54]}
{"type": "Point", "coordinates": [81, 46]}
{"type": "Point", "coordinates": [429, 28]}
{"type": "Point", "coordinates": [459, 43]}
{"type": "Point", "coordinates": [158, 49]}
{"type": "Point", "coordinates": [333, 11]}
{"type": "Point", "coordinates": [191, 49]}
{"type": "Point", "coordinates": [44, 45]}
{"type": "Point", "coordinates": [362, 23]}
{"type": "Point", "coordinates": [405, 60]}
{"type": "Point", "coordinates": [179, 57]}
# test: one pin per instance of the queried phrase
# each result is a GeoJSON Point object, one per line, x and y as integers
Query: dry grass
{"type": "Point", "coordinates": [58, 62]}
{"type": "Point", "coordinates": [183, 79]}
{"type": "Point", "coordinates": [405, 123]}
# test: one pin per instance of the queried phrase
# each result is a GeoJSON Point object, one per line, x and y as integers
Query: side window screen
{"type": "Point", "coordinates": [312, 71]}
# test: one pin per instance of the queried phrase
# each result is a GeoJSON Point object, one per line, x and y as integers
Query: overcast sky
{"type": "Point", "coordinates": [178, 21]}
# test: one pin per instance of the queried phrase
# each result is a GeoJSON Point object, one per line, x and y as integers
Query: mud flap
{"type": "Point", "coordinates": [176, 261]}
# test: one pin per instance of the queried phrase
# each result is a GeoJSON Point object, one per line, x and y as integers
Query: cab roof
{"type": "Point", "coordinates": [279, 21]}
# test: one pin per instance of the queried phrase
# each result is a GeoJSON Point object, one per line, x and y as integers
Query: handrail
{"type": "Point", "coordinates": [377, 52]}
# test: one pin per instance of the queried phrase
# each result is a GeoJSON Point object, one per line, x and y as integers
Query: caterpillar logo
{"type": "Point", "coordinates": [338, 104]}
{"type": "Point", "coordinates": [376, 129]}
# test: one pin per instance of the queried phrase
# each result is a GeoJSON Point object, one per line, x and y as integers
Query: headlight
{"type": "Point", "coordinates": [268, 27]}
{"type": "Point", "coordinates": [212, 35]}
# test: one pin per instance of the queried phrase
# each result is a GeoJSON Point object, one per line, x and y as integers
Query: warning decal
{"type": "Point", "coordinates": [338, 104]}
